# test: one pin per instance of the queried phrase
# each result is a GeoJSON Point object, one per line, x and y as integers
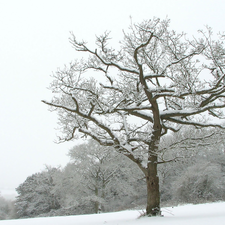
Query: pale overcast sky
{"type": "Point", "coordinates": [34, 42]}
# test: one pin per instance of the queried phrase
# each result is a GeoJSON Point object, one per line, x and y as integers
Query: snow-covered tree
{"type": "Point", "coordinates": [97, 166]}
{"type": "Point", "coordinates": [130, 98]}
{"type": "Point", "coordinates": [35, 194]}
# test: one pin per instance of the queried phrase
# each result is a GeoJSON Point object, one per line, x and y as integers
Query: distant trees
{"type": "Point", "coordinates": [201, 182]}
{"type": "Point", "coordinates": [198, 174]}
{"type": "Point", "coordinates": [130, 98]}
{"type": "Point", "coordinates": [97, 178]}
{"type": "Point", "coordinates": [35, 194]}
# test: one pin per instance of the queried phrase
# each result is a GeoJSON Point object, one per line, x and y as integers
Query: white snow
{"type": "Point", "coordinates": [207, 214]}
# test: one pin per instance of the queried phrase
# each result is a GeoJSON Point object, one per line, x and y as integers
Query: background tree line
{"type": "Point", "coordinates": [98, 179]}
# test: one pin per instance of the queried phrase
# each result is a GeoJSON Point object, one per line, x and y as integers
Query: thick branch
{"type": "Point", "coordinates": [193, 123]}
{"type": "Point", "coordinates": [188, 112]}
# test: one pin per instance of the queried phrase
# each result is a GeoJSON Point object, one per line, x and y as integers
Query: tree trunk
{"type": "Point", "coordinates": [153, 195]}
{"type": "Point", "coordinates": [96, 201]}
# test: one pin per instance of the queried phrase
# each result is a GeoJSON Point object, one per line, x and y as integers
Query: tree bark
{"type": "Point", "coordinates": [97, 204]}
{"type": "Point", "coordinates": [153, 195]}
{"type": "Point", "coordinates": [152, 179]}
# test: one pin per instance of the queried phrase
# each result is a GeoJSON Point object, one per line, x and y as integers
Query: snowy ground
{"type": "Point", "coordinates": [207, 214]}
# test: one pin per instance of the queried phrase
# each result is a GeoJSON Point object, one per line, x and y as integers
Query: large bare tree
{"type": "Point", "coordinates": [129, 98]}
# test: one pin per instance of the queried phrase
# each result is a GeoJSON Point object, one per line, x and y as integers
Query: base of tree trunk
{"type": "Point", "coordinates": [153, 194]}
{"type": "Point", "coordinates": [153, 212]}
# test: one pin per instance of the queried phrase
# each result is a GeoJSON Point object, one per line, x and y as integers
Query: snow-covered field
{"type": "Point", "coordinates": [204, 214]}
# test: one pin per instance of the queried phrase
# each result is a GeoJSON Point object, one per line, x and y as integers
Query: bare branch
{"type": "Point", "coordinates": [170, 160]}
{"type": "Point", "coordinates": [59, 106]}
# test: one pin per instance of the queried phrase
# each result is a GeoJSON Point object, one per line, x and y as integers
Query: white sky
{"type": "Point", "coordinates": [34, 42]}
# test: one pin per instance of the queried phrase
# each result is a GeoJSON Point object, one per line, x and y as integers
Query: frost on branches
{"type": "Point", "coordinates": [130, 98]}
